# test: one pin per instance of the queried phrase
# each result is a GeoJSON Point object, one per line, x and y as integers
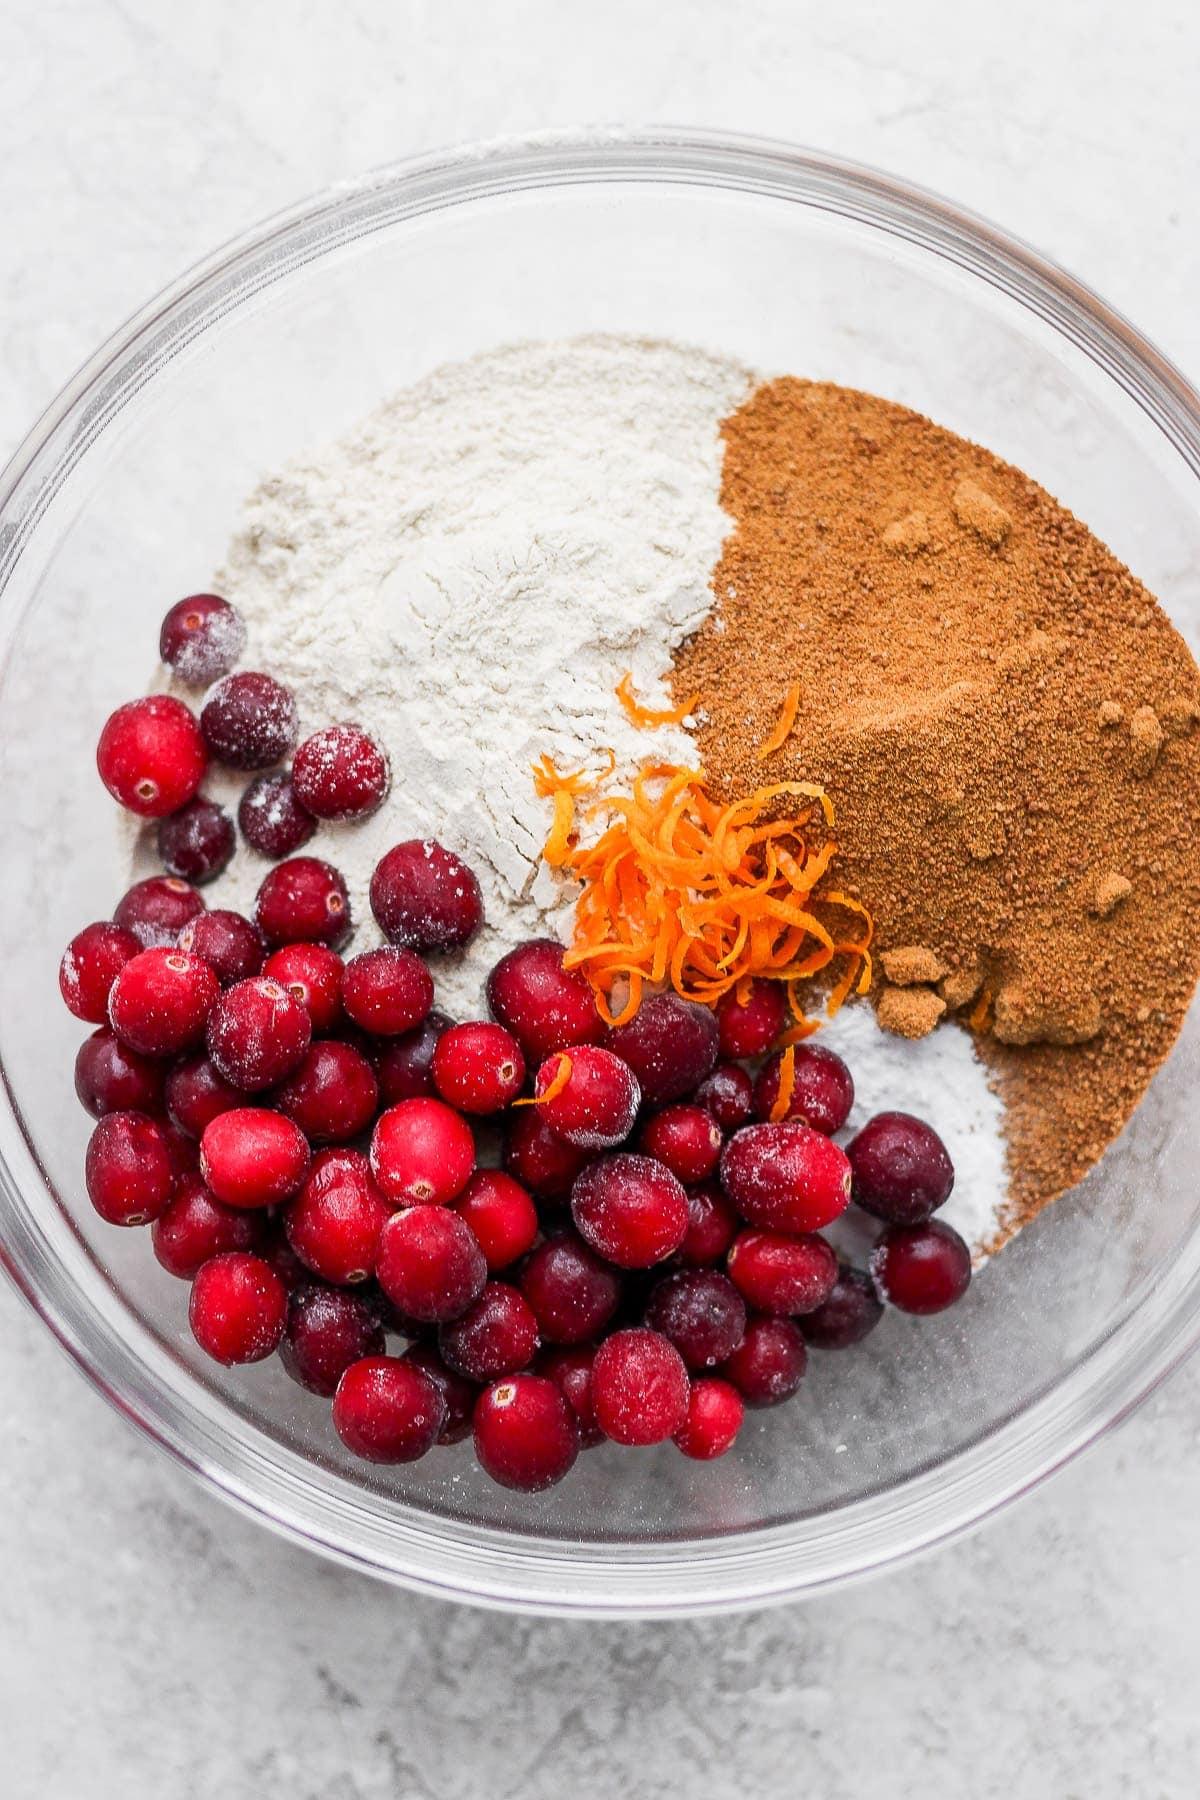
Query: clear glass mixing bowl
{"type": "Point", "coordinates": [122, 498]}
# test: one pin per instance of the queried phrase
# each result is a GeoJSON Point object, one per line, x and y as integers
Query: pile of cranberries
{"type": "Point", "coordinates": [298, 1129]}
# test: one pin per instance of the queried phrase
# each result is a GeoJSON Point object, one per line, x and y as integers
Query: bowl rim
{"type": "Point", "coordinates": [448, 1557]}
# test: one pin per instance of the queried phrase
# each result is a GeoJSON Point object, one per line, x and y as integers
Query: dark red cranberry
{"type": "Point", "coordinates": [630, 1209]}
{"type": "Point", "coordinates": [248, 720]}
{"type": "Point", "coordinates": [335, 1221]}
{"type": "Point", "coordinates": [573, 1293]}
{"type": "Point", "coordinates": [537, 1159]}
{"type": "Point", "coordinates": [238, 1308]}
{"type": "Point", "coordinates": [272, 820]}
{"type": "Point", "coordinates": [457, 1392]}
{"type": "Point", "coordinates": [109, 1078]}
{"type": "Point", "coordinates": [497, 1335]}
{"type": "Point", "coordinates": [749, 1027]}
{"type": "Point", "coordinates": [332, 1096]}
{"type": "Point", "coordinates": [196, 842]}
{"type": "Point", "coordinates": [128, 1171]}
{"type": "Point", "coordinates": [639, 1387]}
{"type": "Point", "coordinates": [687, 1139]}
{"type": "Point", "coordinates": [258, 1034]}
{"type": "Point", "coordinates": [701, 1312]}
{"type": "Point", "coordinates": [183, 1154]}
{"type": "Point", "coordinates": [340, 773]}
{"type": "Point", "coordinates": [429, 1264]}
{"type": "Point", "coordinates": [597, 1107]}
{"type": "Point", "coordinates": [387, 1410]}
{"type": "Point", "coordinates": [196, 1094]}
{"type": "Point", "coordinates": [714, 1418]}
{"type": "Point", "coordinates": [852, 1311]}
{"type": "Point", "coordinates": [501, 1215]}
{"type": "Point", "coordinates": [713, 1224]}
{"type": "Point", "coordinates": [312, 973]}
{"type": "Point", "coordinates": [252, 1157]}
{"type": "Point", "coordinates": [901, 1171]}
{"type": "Point", "coordinates": [194, 1227]}
{"type": "Point", "coordinates": [769, 1363]}
{"type": "Point", "coordinates": [545, 1006]}
{"type": "Point", "coordinates": [151, 756]}
{"type": "Point", "coordinates": [233, 948]}
{"type": "Point", "coordinates": [525, 1433]}
{"type": "Point", "coordinates": [404, 1065]}
{"type": "Point", "coordinates": [571, 1372]}
{"type": "Point", "coordinates": [161, 1000]}
{"type": "Point", "coordinates": [822, 1088]}
{"type": "Point", "coordinates": [202, 636]}
{"type": "Point", "coordinates": [921, 1268]}
{"type": "Point", "coordinates": [786, 1177]}
{"type": "Point", "coordinates": [304, 901]}
{"type": "Point", "coordinates": [327, 1330]}
{"type": "Point", "coordinates": [422, 1153]}
{"type": "Point", "coordinates": [91, 963]}
{"type": "Point", "coordinates": [728, 1094]}
{"type": "Point", "coordinates": [478, 1067]}
{"type": "Point", "coordinates": [276, 1250]}
{"type": "Point", "coordinates": [426, 898]}
{"type": "Point", "coordinates": [782, 1275]}
{"type": "Point", "coordinates": [157, 909]}
{"type": "Point", "coordinates": [670, 1044]}
{"type": "Point", "coordinates": [386, 992]}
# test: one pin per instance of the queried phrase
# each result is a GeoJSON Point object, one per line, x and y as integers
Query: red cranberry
{"type": "Point", "coordinates": [786, 1177]}
{"type": "Point", "coordinates": [900, 1169]}
{"type": "Point", "coordinates": [545, 1006]}
{"type": "Point", "coordinates": [687, 1139]}
{"type": "Point", "coordinates": [248, 720]}
{"type": "Point", "coordinates": [157, 909]}
{"type": "Point", "coordinates": [201, 638]}
{"type": "Point", "coordinates": [109, 1078]}
{"type": "Point", "coordinates": [238, 1308]}
{"type": "Point", "coordinates": [232, 947]}
{"type": "Point", "coordinates": [332, 1096]}
{"type": "Point", "coordinates": [701, 1312]}
{"type": "Point", "coordinates": [597, 1107]}
{"type": "Point", "coordinates": [387, 991]}
{"type": "Point", "coordinates": [478, 1067]}
{"type": "Point", "coordinates": [572, 1292]}
{"type": "Point", "coordinates": [458, 1394]}
{"type": "Point", "coordinates": [749, 1027]}
{"type": "Point", "coordinates": [728, 1094]}
{"type": "Point", "coordinates": [128, 1171]}
{"type": "Point", "coordinates": [769, 1363]}
{"type": "Point", "coordinates": [183, 1153]}
{"type": "Point", "coordinates": [525, 1433]}
{"type": "Point", "coordinates": [571, 1372]}
{"type": "Point", "coordinates": [304, 901]}
{"type": "Point", "coordinates": [422, 1153]}
{"type": "Point", "coordinates": [91, 963]}
{"type": "Point", "coordinates": [537, 1159]}
{"type": "Point", "coordinates": [196, 1094]}
{"type": "Point", "coordinates": [630, 1209]}
{"type": "Point", "coordinates": [639, 1387]}
{"type": "Point", "coordinates": [496, 1336]}
{"type": "Point", "coordinates": [276, 1250]}
{"type": "Point", "coordinates": [258, 1034]}
{"type": "Point", "coordinates": [387, 1410]}
{"type": "Point", "coordinates": [404, 1067]}
{"type": "Point", "coordinates": [822, 1090]}
{"type": "Point", "coordinates": [500, 1214]}
{"type": "Point", "coordinates": [782, 1275]}
{"type": "Point", "coordinates": [852, 1311]}
{"type": "Point", "coordinates": [312, 974]}
{"type": "Point", "coordinates": [272, 820]}
{"type": "Point", "coordinates": [327, 1330]}
{"type": "Point", "coordinates": [252, 1157]}
{"type": "Point", "coordinates": [712, 1226]}
{"type": "Point", "coordinates": [429, 1264]}
{"type": "Point", "coordinates": [426, 898]}
{"type": "Point", "coordinates": [161, 1000]}
{"type": "Point", "coordinates": [335, 1221]}
{"type": "Point", "coordinates": [670, 1044]}
{"type": "Point", "coordinates": [340, 773]}
{"type": "Point", "coordinates": [194, 1227]}
{"type": "Point", "coordinates": [196, 842]}
{"type": "Point", "coordinates": [921, 1268]}
{"type": "Point", "coordinates": [714, 1418]}
{"type": "Point", "coordinates": [151, 756]}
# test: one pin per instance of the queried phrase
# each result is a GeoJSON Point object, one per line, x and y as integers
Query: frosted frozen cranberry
{"type": "Point", "coordinates": [196, 1093]}
{"type": "Point", "coordinates": [201, 638]}
{"type": "Point", "coordinates": [271, 818]}
{"type": "Point", "coordinates": [769, 1363]}
{"type": "Point", "coordinates": [276, 1250]}
{"type": "Point", "coordinates": [109, 1078]}
{"type": "Point", "coordinates": [312, 973]}
{"type": "Point", "coordinates": [238, 1308]}
{"type": "Point", "coordinates": [728, 1094]}
{"type": "Point", "coordinates": [701, 1312]}
{"type": "Point", "coordinates": [232, 947]}
{"type": "Point", "coordinates": [597, 1108]}
{"type": "Point", "coordinates": [151, 755]}
{"type": "Point", "coordinates": [160, 1002]}
{"type": "Point", "coordinates": [194, 1227]}
{"type": "Point", "coordinates": [183, 1153]}
{"type": "Point", "coordinates": [687, 1139]}
{"type": "Point", "coordinates": [537, 1159]}
{"type": "Point", "coordinates": [639, 1387]}
{"type": "Point", "coordinates": [921, 1268]}
{"type": "Point", "coordinates": [327, 1330]}
{"type": "Point", "coordinates": [196, 842]}
{"type": "Point", "coordinates": [386, 991]}
{"type": "Point", "coordinates": [422, 1153]}
{"type": "Point", "coordinates": [426, 898]}
{"type": "Point", "coordinates": [671, 1044]}
{"type": "Point", "coordinates": [782, 1275]}
{"type": "Point", "coordinates": [749, 1027]}
{"type": "Point", "coordinates": [340, 773]}
{"type": "Point", "coordinates": [714, 1417]}
{"type": "Point", "coordinates": [630, 1209]}
{"type": "Point", "coordinates": [258, 1034]}
{"type": "Point", "coordinates": [545, 1006]}
{"type": "Point", "coordinates": [332, 1096]}
{"type": "Point", "coordinates": [713, 1224]}
{"type": "Point", "coordinates": [252, 1157]}
{"type": "Point", "coordinates": [429, 1264]}
{"type": "Point", "coordinates": [822, 1091]}
{"type": "Point", "coordinates": [497, 1335]}
{"type": "Point", "coordinates": [501, 1214]}
{"type": "Point", "coordinates": [900, 1168]}
{"type": "Point", "coordinates": [478, 1067]}
{"type": "Point", "coordinates": [525, 1433]}
{"type": "Point", "coordinates": [570, 1370]}
{"type": "Point", "coordinates": [404, 1065]}
{"type": "Point", "coordinates": [127, 1171]}
{"type": "Point", "coordinates": [157, 909]}
{"type": "Point", "coordinates": [387, 1410]}
{"type": "Point", "coordinates": [458, 1394]}
{"type": "Point", "coordinates": [851, 1312]}
{"type": "Point", "coordinates": [91, 963]}
{"type": "Point", "coordinates": [248, 720]}
{"type": "Point", "coordinates": [335, 1221]}
{"type": "Point", "coordinates": [786, 1177]}
{"type": "Point", "coordinates": [303, 901]}
{"type": "Point", "coordinates": [573, 1293]}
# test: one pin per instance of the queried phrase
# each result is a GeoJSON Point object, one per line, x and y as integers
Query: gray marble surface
{"type": "Point", "coordinates": [150, 1641]}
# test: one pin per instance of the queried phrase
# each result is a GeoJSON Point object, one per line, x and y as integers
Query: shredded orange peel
{"type": "Point", "coordinates": [650, 717]}
{"type": "Point", "coordinates": [562, 1075]}
{"type": "Point", "coordinates": [783, 725]}
{"type": "Point", "coordinates": [787, 1085]}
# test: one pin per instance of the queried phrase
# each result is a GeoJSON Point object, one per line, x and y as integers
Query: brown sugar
{"type": "Point", "coordinates": [1005, 721]}
{"type": "Point", "coordinates": [912, 963]}
{"type": "Point", "coordinates": [910, 1012]}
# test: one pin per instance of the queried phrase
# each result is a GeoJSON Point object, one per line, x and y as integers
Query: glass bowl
{"type": "Point", "coordinates": [123, 497]}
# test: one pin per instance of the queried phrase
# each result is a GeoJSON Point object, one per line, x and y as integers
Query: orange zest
{"type": "Point", "coordinates": [650, 717]}
{"type": "Point", "coordinates": [787, 1085]}
{"type": "Point", "coordinates": [561, 1077]}
{"type": "Point", "coordinates": [564, 790]}
{"type": "Point", "coordinates": [783, 725]}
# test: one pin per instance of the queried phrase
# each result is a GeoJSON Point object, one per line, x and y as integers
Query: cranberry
{"type": "Point", "coordinates": [525, 1433]}
{"type": "Point", "coordinates": [572, 1292]}
{"type": "Point", "coordinates": [258, 1034]}
{"type": "Point", "coordinates": [786, 1177]}
{"type": "Point", "coordinates": [109, 1078]}
{"type": "Point", "coordinates": [537, 1159]}
{"type": "Point", "coordinates": [426, 898]}
{"type": "Point", "coordinates": [276, 1250]}
{"type": "Point", "coordinates": [332, 1096]}
{"type": "Point", "coordinates": [387, 991]}
{"type": "Point", "coordinates": [630, 1209]}
{"type": "Point", "coordinates": [252, 1157]}
{"type": "Point", "coordinates": [232, 947]}
{"type": "Point", "coordinates": [327, 1330]}
{"type": "Point", "coordinates": [701, 1312]}
{"type": "Point", "coordinates": [478, 1067]}
{"type": "Point", "coordinates": [769, 1363]}
{"type": "Point", "coordinates": [822, 1090]}
{"type": "Point", "coordinates": [597, 1107]}
{"type": "Point", "coordinates": [201, 638]}
{"type": "Point", "coordinates": [183, 1153]}
{"type": "Point", "coordinates": [714, 1418]}
{"type": "Point", "coordinates": [900, 1169]}
{"type": "Point", "coordinates": [404, 1068]}
{"type": "Point", "coordinates": [91, 963]}
{"type": "Point", "coordinates": [687, 1139]}
{"type": "Point", "coordinates": [161, 1000]}
{"type": "Point", "coordinates": [151, 756]}
{"type": "Point", "coordinates": [921, 1268]}
{"type": "Point", "coordinates": [639, 1387]}
{"type": "Point", "coordinates": [196, 1094]}
{"type": "Point", "coordinates": [749, 1027]}
{"type": "Point", "coordinates": [458, 1394]}
{"type": "Point", "coordinates": [335, 1221]}
{"type": "Point", "coordinates": [670, 1044]}
{"type": "Point", "coordinates": [340, 773]}
{"type": "Point", "coordinates": [496, 1336]}
{"type": "Point", "coordinates": [196, 842]}
{"type": "Point", "coordinates": [238, 1308]}
{"type": "Point", "coordinates": [422, 1153]}
{"type": "Point", "coordinates": [128, 1171]}
{"type": "Point", "coordinates": [272, 819]}
{"type": "Point", "coordinates": [312, 974]}
{"type": "Point", "coordinates": [545, 1006]}
{"type": "Point", "coordinates": [387, 1410]}
{"type": "Point", "coordinates": [728, 1094]}
{"type": "Point", "coordinates": [852, 1310]}
{"type": "Point", "coordinates": [429, 1264]}
{"type": "Point", "coordinates": [304, 901]}
{"type": "Point", "coordinates": [157, 909]}
{"type": "Point", "coordinates": [712, 1226]}
{"type": "Point", "coordinates": [782, 1275]}
{"type": "Point", "coordinates": [501, 1215]}
{"type": "Point", "coordinates": [194, 1227]}
{"type": "Point", "coordinates": [248, 720]}
{"type": "Point", "coordinates": [571, 1372]}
